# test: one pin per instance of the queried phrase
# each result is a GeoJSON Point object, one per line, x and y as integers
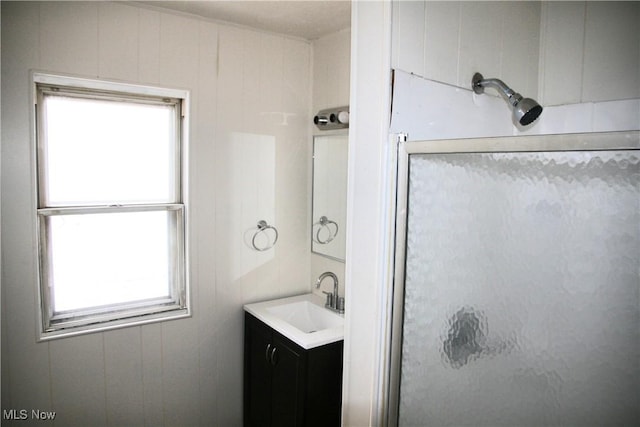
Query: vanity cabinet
{"type": "Point", "coordinates": [287, 385]}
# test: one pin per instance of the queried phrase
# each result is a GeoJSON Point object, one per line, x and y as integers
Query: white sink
{"type": "Point", "coordinates": [306, 316]}
{"type": "Point", "coordinates": [303, 319]}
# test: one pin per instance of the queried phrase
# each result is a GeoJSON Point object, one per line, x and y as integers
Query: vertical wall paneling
{"type": "Point", "coordinates": [203, 219]}
{"type": "Point", "coordinates": [152, 374]}
{"type": "Point", "coordinates": [590, 52]}
{"type": "Point", "coordinates": [410, 36]}
{"type": "Point", "coordinates": [320, 73]}
{"type": "Point", "coordinates": [481, 29]}
{"type": "Point", "coordinates": [331, 60]}
{"type": "Point", "coordinates": [229, 117]}
{"type": "Point", "coordinates": [521, 46]}
{"type": "Point", "coordinates": [292, 169]}
{"type": "Point", "coordinates": [180, 366]}
{"type": "Point", "coordinates": [228, 294]}
{"type": "Point", "coordinates": [249, 112]}
{"type": "Point", "coordinates": [270, 147]}
{"type": "Point", "coordinates": [118, 57]}
{"type": "Point", "coordinates": [69, 37]}
{"type": "Point", "coordinates": [246, 144]}
{"type": "Point", "coordinates": [251, 82]}
{"type": "Point", "coordinates": [26, 377]}
{"type": "Point", "coordinates": [78, 381]}
{"type": "Point", "coordinates": [343, 45]}
{"type": "Point", "coordinates": [449, 41]}
{"type": "Point", "coordinates": [271, 55]}
{"type": "Point", "coordinates": [178, 51]}
{"type": "Point", "coordinates": [561, 52]}
{"type": "Point", "coordinates": [123, 377]}
{"type": "Point", "coordinates": [257, 179]}
{"type": "Point", "coordinates": [148, 46]}
{"type": "Point", "coordinates": [442, 37]}
{"type": "Point", "coordinates": [611, 58]}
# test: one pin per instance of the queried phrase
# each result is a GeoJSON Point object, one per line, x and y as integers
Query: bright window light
{"type": "Point", "coordinates": [123, 151]}
{"type": "Point", "coordinates": [111, 205]}
{"type": "Point", "coordinates": [105, 259]}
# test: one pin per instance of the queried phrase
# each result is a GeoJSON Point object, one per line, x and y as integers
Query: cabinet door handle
{"type": "Point", "coordinates": [272, 358]}
{"type": "Point", "coordinates": [266, 352]}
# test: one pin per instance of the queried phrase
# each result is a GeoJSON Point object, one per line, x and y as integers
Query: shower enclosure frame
{"type": "Point", "coordinates": [604, 141]}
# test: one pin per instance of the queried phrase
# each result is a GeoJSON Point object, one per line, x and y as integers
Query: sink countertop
{"type": "Point", "coordinates": [304, 340]}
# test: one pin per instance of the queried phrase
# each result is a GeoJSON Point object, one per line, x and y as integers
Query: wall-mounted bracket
{"type": "Point", "coordinates": [332, 118]}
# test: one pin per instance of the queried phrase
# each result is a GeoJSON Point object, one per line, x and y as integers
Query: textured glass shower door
{"type": "Point", "coordinates": [519, 285]}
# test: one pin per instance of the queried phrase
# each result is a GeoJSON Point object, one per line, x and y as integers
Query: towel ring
{"type": "Point", "coordinates": [262, 228]}
{"type": "Point", "coordinates": [325, 224]}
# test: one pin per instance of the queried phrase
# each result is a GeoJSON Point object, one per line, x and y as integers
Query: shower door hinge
{"type": "Point", "coordinates": [401, 137]}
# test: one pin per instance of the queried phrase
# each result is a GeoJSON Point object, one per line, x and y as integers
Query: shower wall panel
{"type": "Point", "coordinates": [521, 297]}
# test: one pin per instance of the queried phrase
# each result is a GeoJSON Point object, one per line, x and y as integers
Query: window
{"type": "Point", "coordinates": [111, 204]}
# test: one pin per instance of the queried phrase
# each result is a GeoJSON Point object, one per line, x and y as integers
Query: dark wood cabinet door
{"type": "Point", "coordinates": [288, 384]}
{"type": "Point", "coordinates": [258, 371]}
{"type": "Point", "coordinates": [324, 384]}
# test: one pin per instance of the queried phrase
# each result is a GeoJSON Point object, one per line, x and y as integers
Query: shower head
{"type": "Point", "coordinates": [525, 110]}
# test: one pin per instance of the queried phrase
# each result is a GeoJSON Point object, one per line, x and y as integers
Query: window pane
{"type": "Point", "coordinates": [107, 152]}
{"type": "Point", "coordinates": [109, 258]}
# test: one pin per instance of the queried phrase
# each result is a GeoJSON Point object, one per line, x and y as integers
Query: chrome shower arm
{"type": "Point", "coordinates": [505, 91]}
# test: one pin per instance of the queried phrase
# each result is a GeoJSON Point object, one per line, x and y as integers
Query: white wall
{"type": "Point", "coordinates": [450, 41]}
{"type": "Point", "coordinates": [331, 71]}
{"type": "Point", "coordinates": [590, 52]}
{"type": "Point", "coordinates": [330, 88]}
{"type": "Point", "coordinates": [250, 95]}
{"type": "Point", "coordinates": [558, 52]}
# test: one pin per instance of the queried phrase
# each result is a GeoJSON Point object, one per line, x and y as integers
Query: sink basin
{"type": "Point", "coordinates": [303, 319]}
{"type": "Point", "coordinates": [306, 316]}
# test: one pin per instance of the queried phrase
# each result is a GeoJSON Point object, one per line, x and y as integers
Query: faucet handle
{"type": "Point", "coordinates": [340, 305]}
{"type": "Point", "coordinates": [329, 301]}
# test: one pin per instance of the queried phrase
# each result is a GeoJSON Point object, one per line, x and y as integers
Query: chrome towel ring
{"type": "Point", "coordinates": [262, 227]}
{"type": "Point", "coordinates": [331, 227]}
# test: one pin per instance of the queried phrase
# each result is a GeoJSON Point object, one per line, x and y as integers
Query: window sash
{"type": "Point", "coordinates": [43, 91]}
{"type": "Point", "coordinates": [176, 305]}
{"type": "Point", "coordinates": [175, 301]}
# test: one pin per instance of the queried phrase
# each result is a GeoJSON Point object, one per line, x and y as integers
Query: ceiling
{"type": "Point", "coordinates": [308, 19]}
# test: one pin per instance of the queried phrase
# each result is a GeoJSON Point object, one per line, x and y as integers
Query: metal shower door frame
{"type": "Point", "coordinates": [606, 141]}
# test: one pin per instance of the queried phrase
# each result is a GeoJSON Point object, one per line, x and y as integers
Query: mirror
{"type": "Point", "coordinates": [329, 209]}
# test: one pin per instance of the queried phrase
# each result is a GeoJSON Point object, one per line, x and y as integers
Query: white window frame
{"type": "Point", "coordinates": [177, 305]}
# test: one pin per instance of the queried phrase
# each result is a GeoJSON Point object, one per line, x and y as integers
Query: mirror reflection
{"type": "Point", "coordinates": [329, 210]}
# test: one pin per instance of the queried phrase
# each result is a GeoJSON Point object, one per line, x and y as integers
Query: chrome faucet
{"type": "Point", "coordinates": [334, 302]}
